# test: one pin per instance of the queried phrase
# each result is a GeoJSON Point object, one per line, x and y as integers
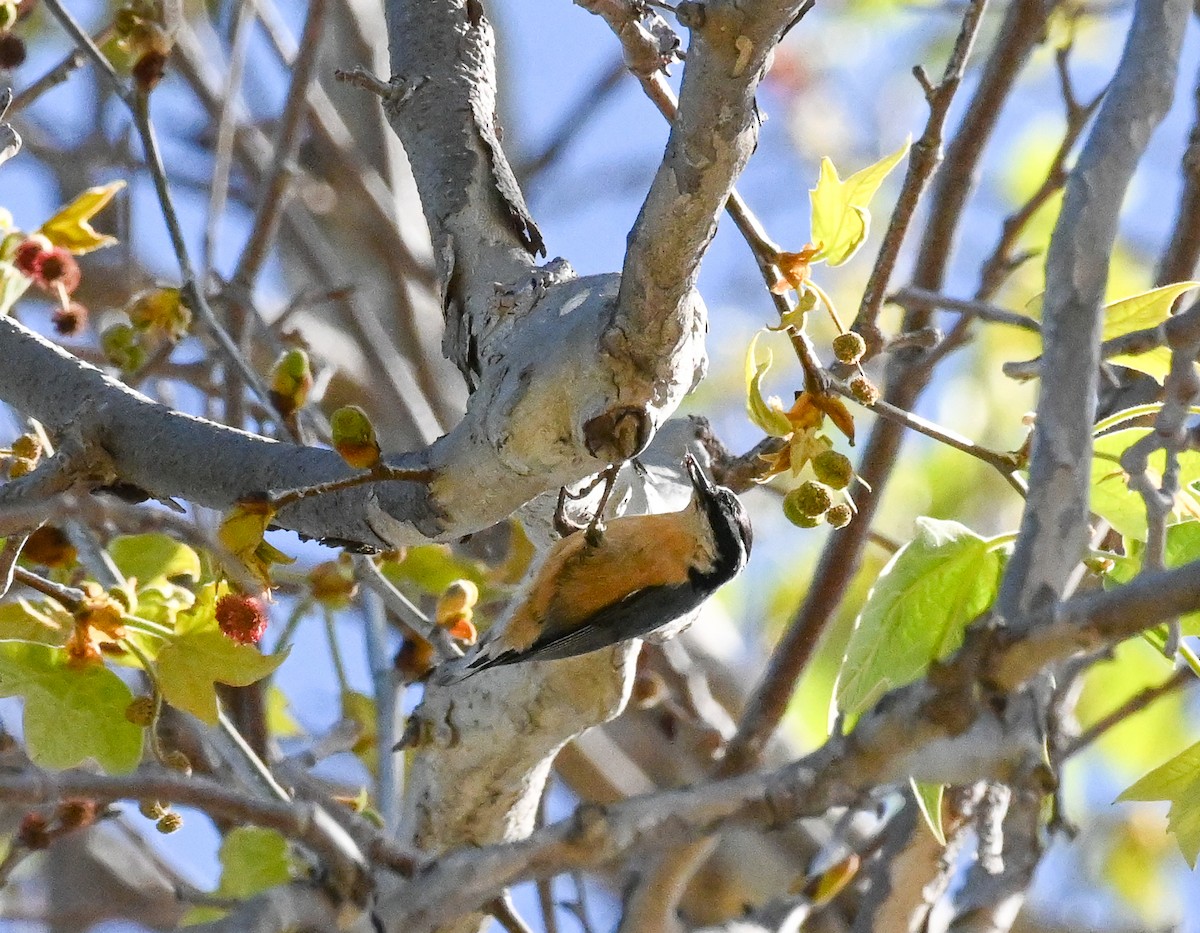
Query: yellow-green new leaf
{"type": "Point", "coordinates": [154, 558]}
{"type": "Point", "coordinates": [1177, 781]}
{"type": "Point", "coordinates": [929, 802]}
{"type": "Point", "coordinates": [768, 415]}
{"type": "Point", "coordinates": [840, 218]}
{"type": "Point", "coordinates": [199, 656]}
{"type": "Point", "coordinates": [72, 714]}
{"type": "Point", "coordinates": [1139, 312]}
{"type": "Point", "coordinates": [71, 229]}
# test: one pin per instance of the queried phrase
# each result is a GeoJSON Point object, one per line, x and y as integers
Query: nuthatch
{"type": "Point", "coordinates": [646, 571]}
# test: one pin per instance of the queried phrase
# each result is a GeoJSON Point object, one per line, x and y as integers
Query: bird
{"type": "Point", "coordinates": [645, 572]}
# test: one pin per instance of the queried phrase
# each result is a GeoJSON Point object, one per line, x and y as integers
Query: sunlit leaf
{"type": "Point", "coordinates": [929, 802]}
{"type": "Point", "coordinates": [72, 714]}
{"type": "Point", "coordinates": [1178, 782]}
{"type": "Point", "coordinates": [1113, 500]}
{"type": "Point", "coordinates": [154, 558]}
{"type": "Point", "coordinates": [840, 219]}
{"type": "Point", "coordinates": [71, 229]}
{"type": "Point", "coordinates": [1139, 312]}
{"type": "Point", "coordinates": [766, 414]}
{"type": "Point", "coordinates": [918, 610]}
{"type": "Point", "coordinates": [199, 656]}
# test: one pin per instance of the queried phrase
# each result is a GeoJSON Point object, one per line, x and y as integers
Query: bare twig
{"type": "Point", "coordinates": [139, 105]}
{"type": "Point", "coordinates": [1131, 707]}
{"type": "Point", "coordinates": [372, 577]}
{"type": "Point", "coordinates": [926, 153]}
{"type": "Point", "coordinates": [919, 297]}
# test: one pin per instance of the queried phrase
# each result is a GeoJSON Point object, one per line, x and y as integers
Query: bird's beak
{"type": "Point", "coordinates": [700, 482]}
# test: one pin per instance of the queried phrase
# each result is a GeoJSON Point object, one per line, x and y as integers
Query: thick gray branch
{"type": "Point", "coordinates": [444, 111]}
{"type": "Point", "coordinates": [1054, 527]}
{"type": "Point", "coordinates": [714, 133]}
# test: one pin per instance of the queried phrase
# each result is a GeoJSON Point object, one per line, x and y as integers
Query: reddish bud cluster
{"type": "Point", "coordinates": [70, 320]}
{"type": "Point", "coordinates": [242, 618]}
{"type": "Point", "coordinates": [12, 50]}
{"type": "Point", "coordinates": [51, 267]}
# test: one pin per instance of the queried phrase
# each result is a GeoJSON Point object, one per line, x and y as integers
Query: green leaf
{"type": "Point", "coordinates": [1183, 547]}
{"type": "Point", "coordinates": [280, 721]}
{"type": "Point", "coordinates": [1177, 782]}
{"type": "Point", "coordinates": [199, 656]}
{"type": "Point", "coordinates": [433, 567]}
{"type": "Point", "coordinates": [360, 710]}
{"type": "Point", "coordinates": [929, 802]}
{"type": "Point", "coordinates": [840, 219]}
{"type": "Point", "coordinates": [1112, 499]}
{"type": "Point", "coordinates": [252, 860]}
{"type": "Point", "coordinates": [45, 623]}
{"type": "Point", "coordinates": [154, 558]}
{"type": "Point", "coordinates": [71, 714]}
{"type": "Point", "coordinates": [766, 414]}
{"type": "Point", "coordinates": [1138, 312]}
{"type": "Point", "coordinates": [929, 592]}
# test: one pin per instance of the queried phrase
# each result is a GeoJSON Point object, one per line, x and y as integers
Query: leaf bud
{"type": "Point", "coordinates": [140, 711]}
{"type": "Point", "coordinates": [153, 809]}
{"type": "Point", "coordinates": [810, 498]}
{"type": "Point", "coordinates": [839, 516]}
{"type": "Point", "coordinates": [178, 761]}
{"type": "Point", "coordinates": [863, 390]}
{"type": "Point", "coordinates": [354, 437]}
{"type": "Point", "coordinates": [169, 822]}
{"type": "Point", "coordinates": [833, 469]}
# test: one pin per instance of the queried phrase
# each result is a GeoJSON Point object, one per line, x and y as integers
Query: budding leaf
{"type": "Point", "coordinates": [917, 611]}
{"type": "Point", "coordinates": [840, 219]}
{"type": "Point", "coordinates": [354, 437]}
{"type": "Point", "coordinates": [199, 656]}
{"type": "Point", "coordinates": [768, 415]}
{"type": "Point", "coordinates": [72, 714]}
{"type": "Point", "coordinates": [71, 229]}
{"type": "Point", "coordinates": [1178, 782]}
{"type": "Point", "coordinates": [1139, 312]}
{"type": "Point", "coordinates": [242, 533]}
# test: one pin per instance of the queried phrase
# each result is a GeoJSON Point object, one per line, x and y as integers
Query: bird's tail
{"type": "Point", "coordinates": [454, 672]}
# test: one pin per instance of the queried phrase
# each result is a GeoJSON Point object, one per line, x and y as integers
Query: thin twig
{"type": "Point", "coordinates": [1135, 704]}
{"type": "Point", "coordinates": [139, 105]}
{"type": "Point", "coordinates": [918, 297]}
{"type": "Point", "coordinates": [372, 577]}
{"type": "Point", "coordinates": [274, 193]}
{"type": "Point", "coordinates": [383, 681]}
{"type": "Point", "coordinates": [923, 160]}
{"type": "Point", "coordinates": [243, 21]}
{"type": "Point", "coordinates": [68, 596]}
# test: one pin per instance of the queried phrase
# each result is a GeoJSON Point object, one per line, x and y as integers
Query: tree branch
{"type": "Point", "coordinates": [1054, 526]}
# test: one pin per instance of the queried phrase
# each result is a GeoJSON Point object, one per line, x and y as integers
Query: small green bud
{"type": "Point", "coordinates": [153, 809]}
{"type": "Point", "coordinates": [839, 516]}
{"type": "Point", "coordinates": [849, 347]}
{"type": "Point", "coordinates": [169, 822]}
{"type": "Point", "coordinates": [833, 469]}
{"type": "Point", "coordinates": [140, 711]}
